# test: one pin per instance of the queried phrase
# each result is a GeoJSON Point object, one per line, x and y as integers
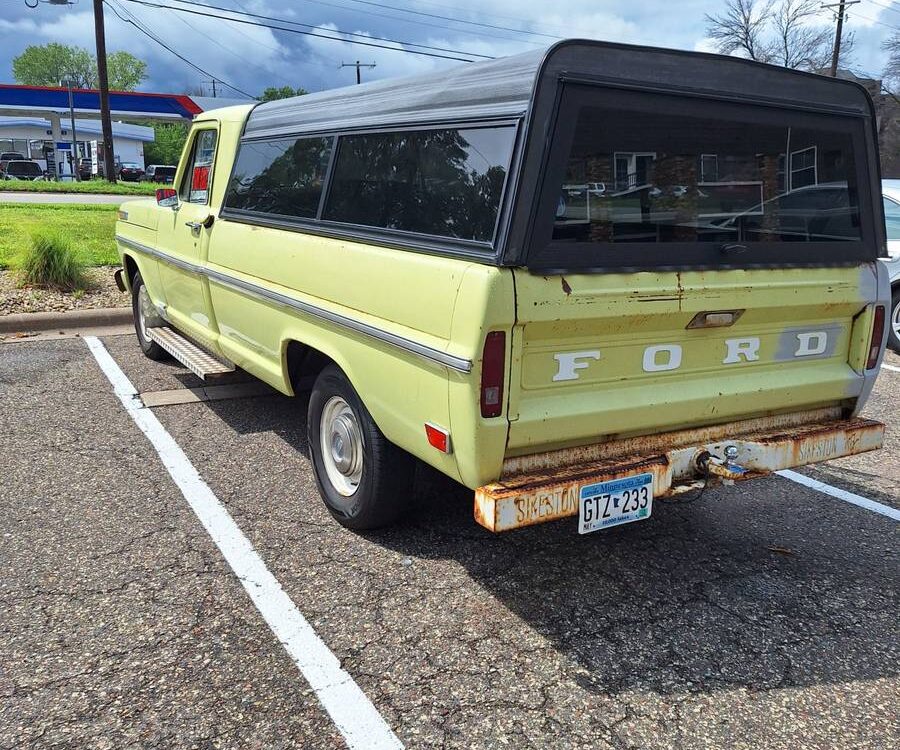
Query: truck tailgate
{"type": "Point", "coordinates": [603, 356]}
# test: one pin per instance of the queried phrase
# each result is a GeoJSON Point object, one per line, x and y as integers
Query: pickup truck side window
{"type": "Point", "coordinates": [442, 182]}
{"type": "Point", "coordinates": [195, 184]}
{"type": "Point", "coordinates": [282, 176]}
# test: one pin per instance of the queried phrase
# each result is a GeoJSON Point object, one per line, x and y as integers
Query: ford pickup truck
{"type": "Point", "coordinates": [575, 280]}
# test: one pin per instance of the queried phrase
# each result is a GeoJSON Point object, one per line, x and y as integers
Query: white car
{"type": "Point", "coordinates": [890, 191]}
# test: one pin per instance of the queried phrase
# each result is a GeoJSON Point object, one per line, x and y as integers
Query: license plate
{"type": "Point", "coordinates": [617, 501]}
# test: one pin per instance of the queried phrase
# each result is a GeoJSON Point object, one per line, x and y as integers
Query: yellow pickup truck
{"type": "Point", "coordinates": [574, 280]}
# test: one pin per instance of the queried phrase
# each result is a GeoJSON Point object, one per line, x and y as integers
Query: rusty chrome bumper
{"type": "Point", "coordinates": [545, 494]}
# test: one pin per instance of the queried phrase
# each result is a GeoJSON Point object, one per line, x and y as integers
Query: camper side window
{"type": "Point", "coordinates": [440, 182]}
{"type": "Point", "coordinates": [281, 176]}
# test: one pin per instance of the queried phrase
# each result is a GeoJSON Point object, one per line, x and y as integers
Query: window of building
{"type": "Point", "coordinates": [442, 182]}
{"type": "Point", "coordinates": [283, 177]}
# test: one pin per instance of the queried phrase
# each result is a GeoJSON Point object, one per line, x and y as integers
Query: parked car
{"type": "Point", "coordinates": [890, 191]}
{"type": "Point", "coordinates": [8, 156]}
{"type": "Point", "coordinates": [409, 261]}
{"type": "Point", "coordinates": [160, 173]}
{"type": "Point", "coordinates": [130, 171]}
{"type": "Point", "coordinates": [85, 169]}
{"type": "Point", "coordinates": [23, 169]}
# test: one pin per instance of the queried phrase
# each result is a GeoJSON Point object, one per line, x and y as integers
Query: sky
{"type": "Point", "coordinates": [250, 58]}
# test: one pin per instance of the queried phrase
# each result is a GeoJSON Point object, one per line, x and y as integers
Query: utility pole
{"type": "Point", "coordinates": [838, 32]}
{"type": "Point", "coordinates": [213, 82]}
{"type": "Point", "coordinates": [109, 160]}
{"type": "Point", "coordinates": [357, 65]}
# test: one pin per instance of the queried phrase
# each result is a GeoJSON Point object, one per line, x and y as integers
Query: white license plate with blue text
{"type": "Point", "coordinates": [615, 502]}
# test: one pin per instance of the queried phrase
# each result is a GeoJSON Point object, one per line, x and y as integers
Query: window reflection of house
{"type": "Point", "coordinates": [803, 168]}
{"type": "Point", "coordinates": [709, 168]}
{"type": "Point", "coordinates": [633, 169]}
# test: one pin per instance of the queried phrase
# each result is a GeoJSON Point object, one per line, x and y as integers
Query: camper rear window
{"type": "Point", "coordinates": [648, 180]}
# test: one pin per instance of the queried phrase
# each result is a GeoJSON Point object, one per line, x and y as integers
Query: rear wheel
{"type": "Point", "coordinates": [145, 317]}
{"type": "Point", "coordinates": [894, 328]}
{"type": "Point", "coordinates": [363, 479]}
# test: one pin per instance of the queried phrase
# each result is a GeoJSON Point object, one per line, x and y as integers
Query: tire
{"type": "Point", "coordinates": [144, 314]}
{"type": "Point", "coordinates": [894, 321]}
{"type": "Point", "coordinates": [363, 479]}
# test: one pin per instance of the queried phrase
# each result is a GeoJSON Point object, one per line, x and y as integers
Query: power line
{"type": "Point", "coordinates": [455, 54]}
{"type": "Point", "coordinates": [130, 20]}
{"type": "Point", "coordinates": [455, 20]}
{"type": "Point", "coordinates": [441, 26]}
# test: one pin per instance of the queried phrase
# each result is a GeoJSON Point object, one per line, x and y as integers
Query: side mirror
{"type": "Point", "coordinates": [167, 198]}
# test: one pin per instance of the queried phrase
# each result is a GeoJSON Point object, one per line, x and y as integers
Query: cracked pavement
{"type": "Point", "coordinates": [763, 615]}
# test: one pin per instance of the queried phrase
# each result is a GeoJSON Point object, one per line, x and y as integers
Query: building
{"type": "Point", "coordinates": [33, 136]}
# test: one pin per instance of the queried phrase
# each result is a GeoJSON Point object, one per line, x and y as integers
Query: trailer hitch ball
{"type": "Point", "coordinates": [724, 468]}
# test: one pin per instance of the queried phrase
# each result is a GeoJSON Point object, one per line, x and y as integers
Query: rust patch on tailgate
{"type": "Point", "coordinates": [544, 495]}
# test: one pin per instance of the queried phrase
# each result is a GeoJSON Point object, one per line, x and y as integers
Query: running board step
{"type": "Point", "coordinates": [200, 362]}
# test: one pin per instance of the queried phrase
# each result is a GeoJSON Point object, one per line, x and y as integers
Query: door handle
{"type": "Point", "coordinates": [196, 226]}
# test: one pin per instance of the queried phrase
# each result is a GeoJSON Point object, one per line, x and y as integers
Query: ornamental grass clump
{"type": "Point", "coordinates": [50, 261]}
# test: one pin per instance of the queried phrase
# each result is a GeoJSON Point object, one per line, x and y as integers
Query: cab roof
{"type": "Point", "coordinates": [507, 87]}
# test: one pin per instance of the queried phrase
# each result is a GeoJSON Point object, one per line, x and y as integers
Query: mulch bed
{"type": "Point", "coordinates": [102, 292]}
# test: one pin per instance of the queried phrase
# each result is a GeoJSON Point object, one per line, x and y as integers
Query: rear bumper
{"type": "Point", "coordinates": [538, 495]}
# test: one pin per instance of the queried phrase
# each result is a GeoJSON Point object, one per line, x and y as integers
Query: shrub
{"type": "Point", "coordinates": [51, 261]}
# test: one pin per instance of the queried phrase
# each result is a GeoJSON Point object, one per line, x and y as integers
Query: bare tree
{"type": "Point", "coordinates": [892, 69]}
{"type": "Point", "coordinates": [781, 32]}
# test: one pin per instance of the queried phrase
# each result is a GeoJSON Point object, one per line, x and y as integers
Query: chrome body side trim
{"type": "Point", "coordinates": [459, 364]}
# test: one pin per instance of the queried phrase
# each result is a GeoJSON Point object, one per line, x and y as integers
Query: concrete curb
{"type": "Point", "coordinates": [66, 321]}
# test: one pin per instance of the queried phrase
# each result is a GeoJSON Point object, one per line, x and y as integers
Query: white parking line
{"type": "Point", "coordinates": [356, 718]}
{"type": "Point", "coordinates": [847, 497]}
{"type": "Point", "coordinates": [890, 367]}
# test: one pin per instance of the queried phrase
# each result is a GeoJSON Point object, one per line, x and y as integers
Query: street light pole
{"type": "Point", "coordinates": [75, 171]}
{"type": "Point", "coordinates": [103, 81]}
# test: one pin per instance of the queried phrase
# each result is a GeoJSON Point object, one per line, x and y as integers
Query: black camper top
{"type": "Point", "coordinates": [507, 88]}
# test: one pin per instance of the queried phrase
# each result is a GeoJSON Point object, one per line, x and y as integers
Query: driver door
{"type": "Point", "coordinates": [183, 235]}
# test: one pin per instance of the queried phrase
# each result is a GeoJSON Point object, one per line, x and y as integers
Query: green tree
{"type": "Point", "coordinates": [125, 71]}
{"type": "Point", "coordinates": [168, 143]}
{"type": "Point", "coordinates": [272, 93]}
{"type": "Point", "coordinates": [48, 64]}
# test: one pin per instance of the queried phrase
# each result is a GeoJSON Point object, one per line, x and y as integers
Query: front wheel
{"type": "Point", "coordinates": [363, 479]}
{"type": "Point", "coordinates": [145, 316]}
{"type": "Point", "coordinates": [894, 327]}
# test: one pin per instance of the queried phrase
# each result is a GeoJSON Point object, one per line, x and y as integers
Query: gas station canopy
{"type": "Point", "coordinates": [28, 101]}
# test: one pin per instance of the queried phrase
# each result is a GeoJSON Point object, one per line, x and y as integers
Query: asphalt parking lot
{"type": "Point", "coordinates": [760, 616]}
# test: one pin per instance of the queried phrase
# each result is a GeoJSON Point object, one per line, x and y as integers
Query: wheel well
{"type": "Point", "coordinates": [131, 269]}
{"type": "Point", "coordinates": [304, 363]}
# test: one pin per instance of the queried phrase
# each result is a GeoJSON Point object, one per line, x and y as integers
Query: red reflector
{"type": "Point", "coordinates": [877, 336]}
{"type": "Point", "coordinates": [438, 437]}
{"type": "Point", "coordinates": [493, 364]}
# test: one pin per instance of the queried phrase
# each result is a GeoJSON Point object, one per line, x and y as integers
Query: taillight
{"type": "Point", "coordinates": [493, 363]}
{"type": "Point", "coordinates": [877, 336]}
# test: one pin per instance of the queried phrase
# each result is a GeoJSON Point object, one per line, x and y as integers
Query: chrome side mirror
{"type": "Point", "coordinates": [167, 198]}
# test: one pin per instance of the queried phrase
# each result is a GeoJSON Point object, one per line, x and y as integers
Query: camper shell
{"type": "Point", "coordinates": [539, 92]}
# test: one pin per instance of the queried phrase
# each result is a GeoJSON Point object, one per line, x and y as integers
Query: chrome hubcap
{"type": "Point", "coordinates": [146, 312]}
{"type": "Point", "coordinates": [895, 320]}
{"type": "Point", "coordinates": [342, 446]}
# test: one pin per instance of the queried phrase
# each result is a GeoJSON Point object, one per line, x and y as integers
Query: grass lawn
{"type": "Point", "coordinates": [90, 186]}
{"type": "Point", "coordinates": [90, 227]}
